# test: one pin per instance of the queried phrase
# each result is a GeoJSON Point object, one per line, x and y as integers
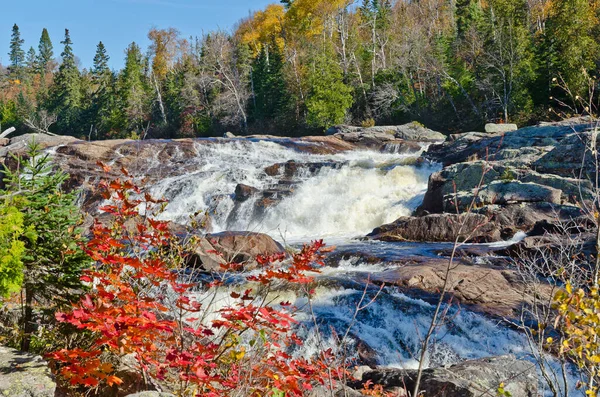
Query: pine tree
{"type": "Point", "coordinates": [51, 259]}
{"type": "Point", "coordinates": [66, 92]}
{"type": "Point", "coordinates": [101, 59]}
{"type": "Point", "coordinates": [45, 52]}
{"type": "Point", "coordinates": [571, 45]}
{"type": "Point", "coordinates": [16, 54]}
{"type": "Point", "coordinates": [133, 89]}
{"type": "Point", "coordinates": [271, 98]}
{"type": "Point", "coordinates": [103, 102]}
{"type": "Point", "coordinates": [31, 64]}
{"type": "Point", "coordinates": [329, 97]}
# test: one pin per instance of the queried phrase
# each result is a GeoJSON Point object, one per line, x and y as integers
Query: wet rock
{"type": "Point", "coordinates": [214, 250]}
{"type": "Point", "coordinates": [24, 375]}
{"type": "Point", "coordinates": [467, 379]}
{"type": "Point", "coordinates": [492, 289]}
{"type": "Point", "coordinates": [500, 128]}
{"type": "Point", "coordinates": [229, 135]}
{"type": "Point", "coordinates": [244, 192]}
{"type": "Point", "coordinates": [468, 227]}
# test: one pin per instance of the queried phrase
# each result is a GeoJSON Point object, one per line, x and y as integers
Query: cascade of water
{"type": "Point", "coordinates": [348, 194]}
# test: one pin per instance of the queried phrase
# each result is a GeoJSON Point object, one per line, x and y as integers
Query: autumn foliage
{"type": "Point", "coordinates": [143, 306]}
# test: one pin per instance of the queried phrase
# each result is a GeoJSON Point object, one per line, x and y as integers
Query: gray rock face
{"type": "Point", "coordinates": [474, 145]}
{"type": "Point", "coordinates": [24, 375]}
{"type": "Point", "coordinates": [468, 379]}
{"type": "Point", "coordinates": [407, 132]}
{"type": "Point", "coordinates": [500, 128]}
{"type": "Point", "coordinates": [502, 193]}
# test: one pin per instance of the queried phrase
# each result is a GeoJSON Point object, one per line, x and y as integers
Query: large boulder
{"type": "Point", "coordinates": [482, 377]}
{"type": "Point", "coordinates": [214, 250]}
{"type": "Point", "coordinates": [500, 128]}
{"type": "Point", "coordinates": [467, 227]}
{"type": "Point", "coordinates": [478, 145]}
{"type": "Point", "coordinates": [24, 375]}
{"type": "Point", "coordinates": [382, 134]}
{"type": "Point", "coordinates": [491, 289]}
{"type": "Point", "coordinates": [503, 193]}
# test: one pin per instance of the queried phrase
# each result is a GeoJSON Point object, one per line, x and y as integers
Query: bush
{"type": "Point", "coordinates": [141, 305]}
{"type": "Point", "coordinates": [50, 259]}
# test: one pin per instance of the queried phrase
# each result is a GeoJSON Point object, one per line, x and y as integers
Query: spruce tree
{"type": "Point", "coordinates": [16, 54]}
{"type": "Point", "coordinates": [133, 89]}
{"type": "Point", "coordinates": [52, 260]}
{"type": "Point", "coordinates": [45, 52]}
{"type": "Point", "coordinates": [66, 91]}
{"type": "Point", "coordinates": [31, 64]}
{"type": "Point", "coordinates": [103, 93]}
{"type": "Point", "coordinates": [100, 67]}
{"type": "Point", "coordinates": [329, 98]}
{"type": "Point", "coordinates": [271, 98]}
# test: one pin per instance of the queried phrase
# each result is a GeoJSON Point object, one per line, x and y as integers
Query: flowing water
{"type": "Point", "coordinates": [336, 197]}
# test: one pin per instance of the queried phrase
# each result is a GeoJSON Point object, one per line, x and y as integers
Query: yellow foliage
{"type": "Point", "coordinates": [309, 16]}
{"type": "Point", "coordinates": [263, 28]}
{"type": "Point", "coordinates": [579, 322]}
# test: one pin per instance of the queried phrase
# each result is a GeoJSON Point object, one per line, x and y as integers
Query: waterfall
{"type": "Point", "coordinates": [344, 194]}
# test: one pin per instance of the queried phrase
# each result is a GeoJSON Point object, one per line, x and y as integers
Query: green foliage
{"type": "Point", "coordinates": [268, 83]}
{"type": "Point", "coordinates": [66, 96]}
{"type": "Point", "coordinates": [16, 54]}
{"type": "Point", "coordinates": [45, 52]}
{"type": "Point", "coordinates": [51, 257]}
{"type": "Point", "coordinates": [11, 250]}
{"type": "Point", "coordinates": [329, 97]}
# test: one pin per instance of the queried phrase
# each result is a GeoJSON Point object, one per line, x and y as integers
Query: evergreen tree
{"type": "Point", "coordinates": [271, 98]}
{"type": "Point", "coordinates": [31, 64]}
{"type": "Point", "coordinates": [133, 90]}
{"type": "Point", "coordinates": [45, 52]}
{"type": "Point", "coordinates": [16, 54]}
{"type": "Point", "coordinates": [101, 59]}
{"type": "Point", "coordinates": [103, 102]}
{"type": "Point", "coordinates": [66, 92]}
{"type": "Point", "coordinates": [329, 97]}
{"type": "Point", "coordinates": [572, 49]}
{"type": "Point", "coordinates": [52, 260]}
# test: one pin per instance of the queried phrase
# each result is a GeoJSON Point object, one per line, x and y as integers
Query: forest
{"type": "Point", "coordinates": [300, 67]}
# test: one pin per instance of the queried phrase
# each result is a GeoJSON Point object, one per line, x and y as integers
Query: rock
{"type": "Point", "coordinates": [440, 228]}
{"type": "Point", "coordinates": [229, 135]}
{"type": "Point", "coordinates": [500, 128]}
{"type": "Point", "coordinates": [244, 192]}
{"type": "Point", "coordinates": [468, 379]}
{"type": "Point", "coordinates": [408, 132]}
{"type": "Point", "coordinates": [502, 193]}
{"type": "Point", "coordinates": [494, 290]}
{"type": "Point", "coordinates": [214, 250]}
{"type": "Point", "coordinates": [24, 375]}
{"type": "Point", "coordinates": [4, 141]}
{"type": "Point", "coordinates": [477, 145]}
{"type": "Point", "coordinates": [572, 157]}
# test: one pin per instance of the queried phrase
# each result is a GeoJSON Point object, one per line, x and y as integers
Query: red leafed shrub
{"type": "Point", "coordinates": [140, 306]}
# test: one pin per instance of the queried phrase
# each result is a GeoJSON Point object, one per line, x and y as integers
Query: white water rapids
{"type": "Point", "coordinates": [348, 197]}
{"type": "Point", "coordinates": [336, 197]}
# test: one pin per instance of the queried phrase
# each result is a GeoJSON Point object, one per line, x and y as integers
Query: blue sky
{"type": "Point", "coordinates": [115, 22]}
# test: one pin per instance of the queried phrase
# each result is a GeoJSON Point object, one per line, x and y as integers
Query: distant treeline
{"type": "Point", "coordinates": [304, 65]}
